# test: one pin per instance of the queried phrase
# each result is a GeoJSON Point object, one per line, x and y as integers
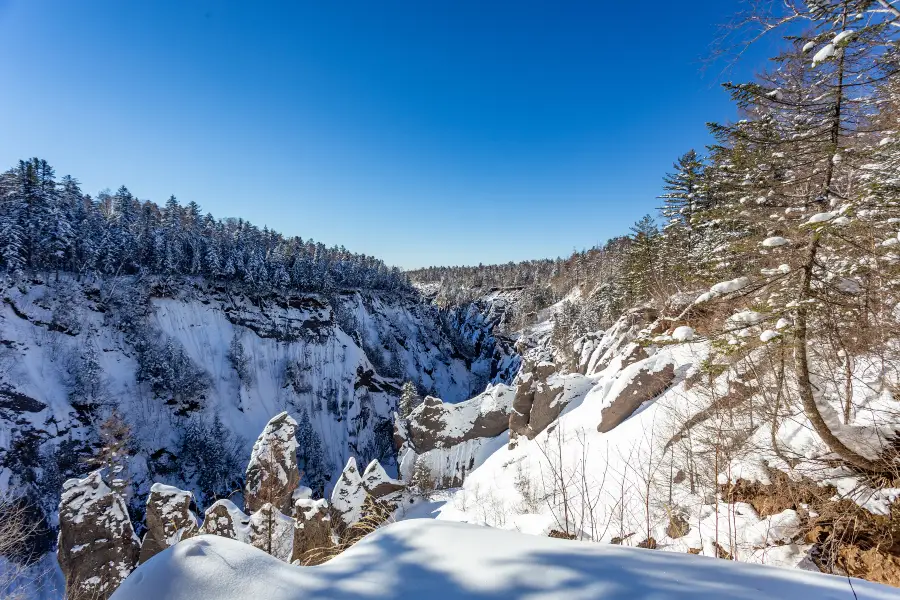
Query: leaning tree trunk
{"type": "Point", "coordinates": [801, 366]}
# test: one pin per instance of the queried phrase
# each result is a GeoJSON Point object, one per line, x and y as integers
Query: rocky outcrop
{"type": "Point", "coordinates": [436, 424]}
{"type": "Point", "coordinates": [272, 474]}
{"type": "Point", "coordinates": [536, 403]}
{"type": "Point", "coordinates": [97, 544]}
{"type": "Point", "coordinates": [643, 382]}
{"type": "Point", "coordinates": [348, 496]}
{"type": "Point", "coordinates": [272, 532]}
{"type": "Point", "coordinates": [227, 520]}
{"type": "Point", "coordinates": [596, 351]}
{"type": "Point", "coordinates": [169, 519]}
{"type": "Point", "coordinates": [312, 532]}
{"type": "Point", "coordinates": [378, 484]}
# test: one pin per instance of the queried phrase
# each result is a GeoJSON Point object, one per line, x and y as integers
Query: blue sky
{"type": "Point", "coordinates": [439, 132]}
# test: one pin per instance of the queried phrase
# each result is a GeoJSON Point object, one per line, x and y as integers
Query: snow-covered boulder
{"type": "Point", "coordinates": [272, 532]}
{"type": "Point", "coordinates": [227, 520]}
{"type": "Point", "coordinates": [348, 496]}
{"type": "Point", "coordinates": [272, 474]}
{"type": "Point", "coordinates": [97, 545]}
{"type": "Point", "coordinates": [312, 531]}
{"type": "Point", "coordinates": [169, 519]}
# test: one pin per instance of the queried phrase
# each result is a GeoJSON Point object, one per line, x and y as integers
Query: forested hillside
{"type": "Point", "coordinates": [50, 225]}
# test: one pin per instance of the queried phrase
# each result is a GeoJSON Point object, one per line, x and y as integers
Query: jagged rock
{"type": "Point", "coordinates": [377, 482]}
{"type": "Point", "coordinates": [272, 475]}
{"type": "Point", "coordinates": [536, 403]}
{"type": "Point", "coordinates": [348, 496]}
{"type": "Point", "coordinates": [312, 531]}
{"type": "Point", "coordinates": [436, 424]}
{"type": "Point", "coordinates": [227, 520]}
{"type": "Point", "coordinates": [678, 526]}
{"type": "Point", "coordinates": [169, 519]}
{"type": "Point", "coordinates": [272, 532]}
{"type": "Point", "coordinates": [648, 382]}
{"type": "Point", "coordinates": [97, 545]}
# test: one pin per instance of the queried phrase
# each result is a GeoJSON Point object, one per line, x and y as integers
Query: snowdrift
{"type": "Point", "coordinates": [447, 561]}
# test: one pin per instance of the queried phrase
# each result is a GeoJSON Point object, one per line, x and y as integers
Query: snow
{"type": "Point", "coordinates": [450, 561]}
{"type": "Point", "coordinates": [844, 35]}
{"type": "Point", "coordinates": [683, 334]}
{"type": "Point", "coordinates": [774, 242]}
{"type": "Point", "coordinates": [823, 54]}
{"type": "Point", "coordinates": [723, 287]}
{"type": "Point", "coordinates": [768, 335]}
{"type": "Point", "coordinates": [808, 46]}
{"type": "Point", "coordinates": [349, 493]}
{"type": "Point", "coordinates": [821, 217]}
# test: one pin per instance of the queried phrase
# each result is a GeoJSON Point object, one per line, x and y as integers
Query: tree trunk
{"type": "Point", "coordinates": [801, 365]}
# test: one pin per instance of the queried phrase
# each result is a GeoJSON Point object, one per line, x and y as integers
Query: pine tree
{"type": "Point", "coordinates": [409, 397]}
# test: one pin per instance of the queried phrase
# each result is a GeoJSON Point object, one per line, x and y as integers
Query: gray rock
{"type": "Point", "coordinates": [536, 403]}
{"type": "Point", "coordinates": [272, 475]}
{"type": "Point", "coordinates": [169, 519]}
{"type": "Point", "coordinates": [97, 545]}
{"type": "Point", "coordinates": [313, 539]}
{"type": "Point", "coordinates": [645, 385]}
{"type": "Point", "coordinates": [436, 424]}
{"type": "Point", "coordinates": [227, 520]}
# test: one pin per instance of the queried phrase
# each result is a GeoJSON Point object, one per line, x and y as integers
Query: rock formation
{"type": "Point", "coordinates": [536, 404]}
{"type": "Point", "coordinates": [312, 531]}
{"type": "Point", "coordinates": [272, 474]}
{"type": "Point", "coordinates": [348, 496]}
{"type": "Point", "coordinates": [645, 381]}
{"type": "Point", "coordinates": [225, 519]}
{"type": "Point", "coordinates": [169, 519]}
{"type": "Point", "coordinates": [97, 544]}
{"type": "Point", "coordinates": [272, 532]}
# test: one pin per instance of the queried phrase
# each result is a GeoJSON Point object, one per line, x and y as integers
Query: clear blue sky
{"type": "Point", "coordinates": [423, 132]}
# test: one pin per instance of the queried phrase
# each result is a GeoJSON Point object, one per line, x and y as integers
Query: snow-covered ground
{"type": "Point", "coordinates": [450, 561]}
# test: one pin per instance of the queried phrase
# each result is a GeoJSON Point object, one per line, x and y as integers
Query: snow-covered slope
{"type": "Point", "coordinates": [634, 459]}
{"type": "Point", "coordinates": [445, 561]}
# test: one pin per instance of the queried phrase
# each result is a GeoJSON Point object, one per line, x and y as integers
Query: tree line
{"type": "Point", "coordinates": [53, 226]}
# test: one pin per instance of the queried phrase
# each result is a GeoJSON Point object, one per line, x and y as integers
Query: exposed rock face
{"type": "Point", "coordinates": [377, 482]}
{"type": "Point", "coordinates": [272, 474]}
{"type": "Point", "coordinates": [446, 437]}
{"type": "Point", "coordinates": [348, 496]}
{"type": "Point", "coordinates": [97, 544]}
{"type": "Point", "coordinates": [536, 403]}
{"type": "Point", "coordinates": [312, 531]}
{"type": "Point", "coordinates": [225, 519]}
{"type": "Point", "coordinates": [272, 532]}
{"type": "Point", "coordinates": [596, 351]}
{"type": "Point", "coordinates": [436, 424]}
{"type": "Point", "coordinates": [645, 384]}
{"type": "Point", "coordinates": [169, 519]}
